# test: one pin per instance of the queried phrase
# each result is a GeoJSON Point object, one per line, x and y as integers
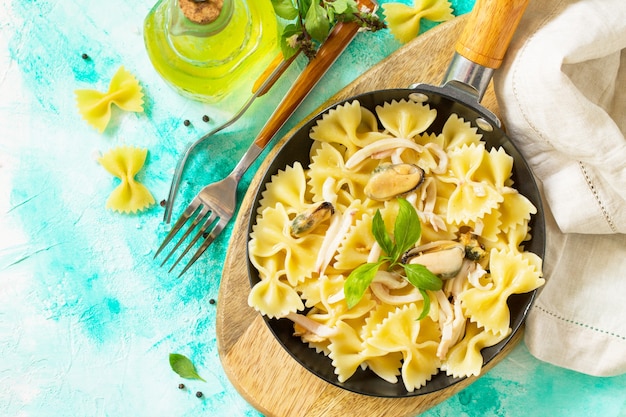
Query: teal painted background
{"type": "Point", "coordinates": [87, 318]}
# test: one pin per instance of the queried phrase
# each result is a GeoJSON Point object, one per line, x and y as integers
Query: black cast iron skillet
{"type": "Point", "coordinates": [479, 51]}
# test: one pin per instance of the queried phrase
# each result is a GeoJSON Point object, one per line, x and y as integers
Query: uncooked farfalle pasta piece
{"type": "Point", "coordinates": [467, 196]}
{"type": "Point", "coordinates": [125, 162]}
{"type": "Point", "coordinates": [124, 91]}
{"type": "Point", "coordinates": [404, 21]}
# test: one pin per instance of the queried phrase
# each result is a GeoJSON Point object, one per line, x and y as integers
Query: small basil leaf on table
{"type": "Point", "coordinates": [183, 366]}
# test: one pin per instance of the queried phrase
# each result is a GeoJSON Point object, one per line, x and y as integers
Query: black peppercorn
{"type": "Point", "coordinates": [205, 118]}
{"type": "Point", "coordinates": [186, 122]}
{"type": "Point", "coordinates": [163, 203]}
{"type": "Point", "coordinates": [181, 386]}
{"type": "Point", "coordinates": [84, 56]}
{"type": "Point", "coordinates": [199, 394]}
{"type": "Point", "coordinates": [212, 301]}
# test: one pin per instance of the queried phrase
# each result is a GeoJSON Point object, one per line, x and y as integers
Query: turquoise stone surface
{"type": "Point", "coordinates": [87, 317]}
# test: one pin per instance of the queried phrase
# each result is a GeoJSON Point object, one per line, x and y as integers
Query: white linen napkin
{"type": "Point", "coordinates": [562, 96]}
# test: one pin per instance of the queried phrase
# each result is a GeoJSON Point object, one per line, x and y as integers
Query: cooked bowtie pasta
{"type": "Point", "coordinates": [466, 195]}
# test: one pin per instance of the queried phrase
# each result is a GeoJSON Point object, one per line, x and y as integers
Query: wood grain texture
{"type": "Point", "coordinates": [257, 365]}
{"type": "Point", "coordinates": [490, 27]}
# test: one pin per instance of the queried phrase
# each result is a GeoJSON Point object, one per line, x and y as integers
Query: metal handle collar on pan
{"type": "Point", "coordinates": [480, 50]}
{"type": "Point", "coordinates": [465, 82]}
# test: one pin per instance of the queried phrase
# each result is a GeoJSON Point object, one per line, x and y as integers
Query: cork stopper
{"type": "Point", "coordinates": [201, 12]}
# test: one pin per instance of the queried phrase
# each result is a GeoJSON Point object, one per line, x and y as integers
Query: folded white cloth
{"type": "Point", "coordinates": [562, 96]}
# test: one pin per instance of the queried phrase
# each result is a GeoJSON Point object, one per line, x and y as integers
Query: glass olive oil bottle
{"type": "Point", "coordinates": [212, 50]}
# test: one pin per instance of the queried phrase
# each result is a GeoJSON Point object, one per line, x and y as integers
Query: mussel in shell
{"type": "Point", "coordinates": [308, 220]}
{"type": "Point", "coordinates": [390, 180]}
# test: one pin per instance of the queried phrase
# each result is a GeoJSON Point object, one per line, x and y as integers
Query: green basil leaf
{"type": "Point", "coordinates": [407, 229]}
{"type": "Point", "coordinates": [343, 6]}
{"type": "Point", "coordinates": [287, 49]}
{"type": "Point", "coordinates": [426, 308]}
{"type": "Point", "coordinates": [183, 366]}
{"type": "Point", "coordinates": [380, 234]}
{"type": "Point", "coordinates": [358, 281]}
{"type": "Point", "coordinates": [422, 278]}
{"type": "Point", "coordinates": [316, 22]}
{"type": "Point", "coordinates": [330, 13]}
{"type": "Point", "coordinates": [285, 9]}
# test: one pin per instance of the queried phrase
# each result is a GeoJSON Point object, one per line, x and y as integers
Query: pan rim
{"type": "Point", "coordinates": [519, 304]}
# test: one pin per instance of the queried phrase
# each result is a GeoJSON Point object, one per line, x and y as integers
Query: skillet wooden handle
{"type": "Point", "coordinates": [489, 29]}
{"type": "Point", "coordinates": [333, 46]}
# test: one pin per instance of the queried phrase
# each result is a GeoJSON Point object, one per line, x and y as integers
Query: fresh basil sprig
{"type": "Point", "coordinates": [406, 232]}
{"type": "Point", "coordinates": [183, 366]}
{"type": "Point", "coordinates": [311, 21]}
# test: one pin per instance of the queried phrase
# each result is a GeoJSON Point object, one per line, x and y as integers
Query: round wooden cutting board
{"type": "Point", "coordinates": [257, 365]}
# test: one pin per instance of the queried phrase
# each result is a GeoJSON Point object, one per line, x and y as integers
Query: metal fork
{"type": "Point", "coordinates": [214, 205]}
{"type": "Point", "coordinates": [258, 92]}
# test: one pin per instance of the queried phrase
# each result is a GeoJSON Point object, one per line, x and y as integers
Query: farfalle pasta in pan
{"type": "Point", "coordinates": [316, 226]}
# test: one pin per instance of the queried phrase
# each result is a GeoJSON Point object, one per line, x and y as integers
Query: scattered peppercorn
{"type": "Point", "coordinates": [84, 56]}
{"type": "Point", "coordinates": [186, 122]}
{"type": "Point", "coordinates": [181, 386]}
{"type": "Point", "coordinates": [163, 203]}
{"type": "Point", "coordinates": [199, 394]}
{"type": "Point", "coordinates": [212, 301]}
{"type": "Point", "coordinates": [205, 118]}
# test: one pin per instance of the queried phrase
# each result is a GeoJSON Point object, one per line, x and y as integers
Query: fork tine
{"type": "Point", "coordinates": [207, 242]}
{"type": "Point", "coordinates": [210, 219]}
{"type": "Point", "coordinates": [177, 226]}
{"type": "Point", "coordinates": [202, 214]}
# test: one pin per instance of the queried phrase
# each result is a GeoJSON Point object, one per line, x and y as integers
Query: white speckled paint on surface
{"type": "Point", "coordinates": [87, 319]}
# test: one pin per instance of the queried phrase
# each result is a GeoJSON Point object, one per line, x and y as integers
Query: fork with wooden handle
{"type": "Point", "coordinates": [213, 207]}
{"type": "Point", "coordinates": [266, 81]}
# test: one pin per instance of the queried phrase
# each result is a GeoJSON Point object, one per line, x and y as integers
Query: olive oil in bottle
{"type": "Point", "coordinates": [212, 50]}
